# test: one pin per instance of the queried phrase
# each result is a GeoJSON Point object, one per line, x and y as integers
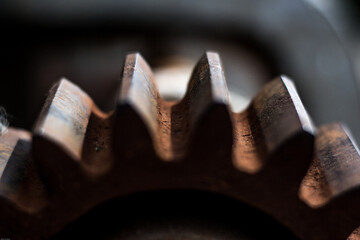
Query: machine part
{"type": "Point", "coordinates": [78, 157]}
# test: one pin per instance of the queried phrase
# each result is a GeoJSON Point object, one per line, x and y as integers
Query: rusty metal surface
{"type": "Point", "coordinates": [80, 157]}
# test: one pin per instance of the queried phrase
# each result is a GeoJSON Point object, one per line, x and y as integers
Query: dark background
{"type": "Point", "coordinates": [314, 42]}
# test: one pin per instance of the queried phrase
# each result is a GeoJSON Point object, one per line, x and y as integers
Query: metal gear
{"type": "Point", "coordinates": [78, 156]}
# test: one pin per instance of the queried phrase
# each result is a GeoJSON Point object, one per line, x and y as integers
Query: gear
{"type": "Point", "coordinates": [78, 157]}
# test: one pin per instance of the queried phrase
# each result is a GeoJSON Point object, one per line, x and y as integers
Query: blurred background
{"type": "Point", "coordinates": [314, 42]}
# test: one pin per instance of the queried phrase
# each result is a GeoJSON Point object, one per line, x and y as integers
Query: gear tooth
{"type": "Point", "coordinates": [64, 117]}
{"type": "Point", "coordinates": [279, 113]}
{"type": "Point", "coordinates": [60, 130]}
{"type": "Point", "coordinates": [137, 108]}
{"type": "Point", "coordinates": [19, 183]}
{"type": "Point", "coordinates": [274, 118]}
{"type": "Point", "coordinates": [15, 147]}
{"type": "Point", "coordinates": [207, 86]}
{"type": "Point", "coordinates": [336, 164]}
{"type": "Point", "coordinates": [206, 105]}
{"type": "Point", "coordinates": [138, 90]}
